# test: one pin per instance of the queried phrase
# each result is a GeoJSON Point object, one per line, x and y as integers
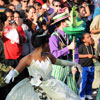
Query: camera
{"type": "Point", "coordinates": [12, 22]}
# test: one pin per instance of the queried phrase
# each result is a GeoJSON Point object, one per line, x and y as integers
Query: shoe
{"type": "Point", "coordinates": [82, 98]}
{"type": "Point", "coordinates": [94, 92]}
{"type": "Point", "coordinates": [89, 97]}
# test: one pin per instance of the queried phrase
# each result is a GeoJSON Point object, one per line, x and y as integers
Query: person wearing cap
{"type": "Point", "coordinates": [60, 45]}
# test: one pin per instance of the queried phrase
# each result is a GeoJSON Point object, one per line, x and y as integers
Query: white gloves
{"type": "Point", "coordinates": [11, 75]}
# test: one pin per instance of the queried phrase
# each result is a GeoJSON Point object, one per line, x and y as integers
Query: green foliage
{"type": "Point", "coordinates": [73, 22]}
{"type": "Point", "coordinates": [3, 72]}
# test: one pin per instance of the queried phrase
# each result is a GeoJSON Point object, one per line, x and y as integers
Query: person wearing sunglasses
{"type": "Point", "coordinates": [24, 4]}
{"type": "Point", "coordinates": [24, 7]}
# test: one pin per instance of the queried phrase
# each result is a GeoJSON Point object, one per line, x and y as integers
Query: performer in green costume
{"type": "Point", "coordinates": [60, 47]}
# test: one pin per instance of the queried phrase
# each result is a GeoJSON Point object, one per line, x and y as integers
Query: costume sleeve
{"type": "Point", "coordinates": [53, 44]}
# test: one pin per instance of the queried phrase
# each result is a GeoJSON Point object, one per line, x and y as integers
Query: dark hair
{"type": "Point", "coordinates": [41, 21]}
{"type": "Point", "coordinates": [55, 1]}
{"type": "Point", "coordinates": [17, 0]}
{"type": "Point", "coordinates": [37, 4]}
{"type": "Point", "coordinates": [10, 5]}
{"type": "Point", "coordinates": [84, 35]}
{"type": "Point", "coordinates": [39, 41]}
{"type": "Point", "coordinates": [44, 1]}
{"type": "Point", "coordinates": [80, 7]}
{"type": "Point", "coordinates": [30, 7]}
{"type": "Point", "coordinates": [6, 1]}
{"type": "Point", "coordinates": [8, 10]}
{"type": "Point", "coordinates": [59, 23]}
{"type": "Point", "coordinates": [3, 18]}
{"type": "Point", "coordinates": [18, 14]}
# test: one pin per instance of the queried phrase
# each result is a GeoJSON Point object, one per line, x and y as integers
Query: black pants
{"type": "Point", "coordinates": [6, 89]}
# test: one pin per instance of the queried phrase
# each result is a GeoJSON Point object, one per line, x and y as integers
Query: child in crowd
{"type": "Point", "coordinates": [86, 56]}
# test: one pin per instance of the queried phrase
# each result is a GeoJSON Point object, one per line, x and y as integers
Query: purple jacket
{"type": "Point", "coordinates": [54, 46]}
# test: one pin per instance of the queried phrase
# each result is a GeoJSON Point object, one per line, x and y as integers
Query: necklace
{"type": "Point", "coordinates": [88, 50]}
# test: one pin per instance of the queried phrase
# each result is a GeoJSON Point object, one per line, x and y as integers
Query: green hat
{"type": "Point", "coordinates": [59, 17]}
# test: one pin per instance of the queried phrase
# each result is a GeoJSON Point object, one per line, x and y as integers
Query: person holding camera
{"type": "Point", "coordinates": [13, 46]}
{"type": "Point", "coordinates": [4, 69]}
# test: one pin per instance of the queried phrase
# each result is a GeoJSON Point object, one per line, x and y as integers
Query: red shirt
{"type": "Point", "coordinates": [12, 50]}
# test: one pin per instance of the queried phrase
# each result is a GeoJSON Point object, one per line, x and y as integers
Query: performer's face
{"type": "Point", "coordinates": [64, 24]}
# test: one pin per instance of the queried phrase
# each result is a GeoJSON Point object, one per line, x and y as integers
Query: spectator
{"type": "Point", "coordinates": [24, 4]}
{"type": "Point", "coordinates": [86, 55]}
{"type": "Point", "coordinates": [97, 8]}
{"type": "Point", "coordinates": [27, 45]}
{"type": "Point", "coordinates": [13, 48]}
{"type": "Point", "coordinates": [17, 4]}
{"type": "Point", "coordinates": [3, 68]}
{"type": "Point", "coordinates": [38, 7]}
{"type": "Point", "coordinates": [9, 45]}
{"type": "Point", "coordinates": [3, 2]}
{"type": "Point", "coordinates": [31, 20]}
{"type": "Point", "coordinates": [31, 2]}
{"type": "Point", "coordinates": [11, 6]}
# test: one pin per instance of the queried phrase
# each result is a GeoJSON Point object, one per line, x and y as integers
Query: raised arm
{"type": "Point", "coordinates": [87, 9]}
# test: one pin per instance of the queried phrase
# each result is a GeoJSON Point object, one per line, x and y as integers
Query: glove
{"type": "Point", "coordinates": [11, 75]}
{"type": "Point", "coordinates": [64, 62]}
{"type": "Point", "coordinates": [68, 63]}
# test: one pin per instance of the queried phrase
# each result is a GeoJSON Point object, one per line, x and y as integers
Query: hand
{"type": "Point", "coordinates": [35, 19]}
{"type": "Point", "coordinates": [90, 56]}
{"type": "Point", "coordinates": [74, 70]}
{"type": "Point", "coordinates": [66, 10]}
{"type": "Point", "coordinates": [15, 26]}
{"type": "Point", "coordinates": [10, 76]}
{"type": "Point", "coordinates": [78, 66]}
{"type": "Point", "coordinates": [85, 4]}
{"type": "Point", "coordinates": [71, 46]}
